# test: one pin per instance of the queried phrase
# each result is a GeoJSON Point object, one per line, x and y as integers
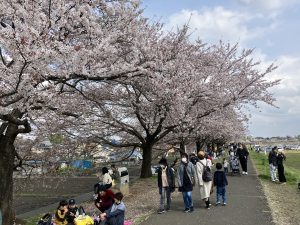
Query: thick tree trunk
{"type": "Point", "coordinates": [146, 164]}
{"type": "Point", "coordinates": [199, 145]}
{"type": "Point", "coordinates": [182, 146]}
{"type": "Point", "coordinates": [8, 133]}
{"type": "Point", "coordinates": [6, 184]}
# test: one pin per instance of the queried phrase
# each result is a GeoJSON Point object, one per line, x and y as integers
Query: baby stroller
{"type": "Point", "coordinates": [234, 165]}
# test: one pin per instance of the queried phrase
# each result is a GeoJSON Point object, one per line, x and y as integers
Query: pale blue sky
{"type": "Point", "coordinates": [272, 27]}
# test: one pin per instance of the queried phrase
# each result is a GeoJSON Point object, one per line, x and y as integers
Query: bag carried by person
{"type": "Point", "coordinates": [84, 220]}
{"type": "Point", "coordinates": [206, 174]}
{"type": "Point", "coordinates": [45, 220]}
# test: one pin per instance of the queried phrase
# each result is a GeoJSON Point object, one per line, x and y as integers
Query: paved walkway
{"type": "Point", "coordinates": [247, 205]}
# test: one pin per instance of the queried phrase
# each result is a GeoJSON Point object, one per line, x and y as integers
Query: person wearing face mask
{"type": "Point", "coordinates": [186, 181]}
{"type": "Point", "coordinates": [116, 214]}
{"type": "Point", "coordinates": [166, 185]}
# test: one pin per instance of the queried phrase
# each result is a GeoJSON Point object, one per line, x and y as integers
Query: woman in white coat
{"type": "Point", "coordinates": [205, 187]}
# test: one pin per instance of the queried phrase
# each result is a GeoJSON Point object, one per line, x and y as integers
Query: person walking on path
{"type": "Point", "coordinates": [280, 158]}
{"type": "Point", "coordinates": [225, 165]}
{"type": "Point", "coordinates": [166, 185]}
{"type": "Point", "coordinates": [273, 163]}
{"type": "Point", "coordinates": [186, 181]}
{"type": "Point", "coordinates": [205, 187]}
{"type": "Point", "coordinates": [220, 181]}
{"type": "Point", "coordinates": [243, 153]}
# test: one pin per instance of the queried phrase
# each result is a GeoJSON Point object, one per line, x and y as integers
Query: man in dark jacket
{"type": "Point", "coordinates": [273, 163]}
{"type": "Point", "coordinates": [166, 185]}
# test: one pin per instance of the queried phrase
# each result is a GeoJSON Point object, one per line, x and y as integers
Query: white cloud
{"type": "Point", "coordinates": [245, 27]}
{"type": "Point", "coordinates": [270, 121]}
{"type": "Point", "coordinates": [269, 5]}
{"type": "Point", "coordinates": [212, 25]}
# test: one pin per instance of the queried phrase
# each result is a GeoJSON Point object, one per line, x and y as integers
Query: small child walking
{"type": "Point", "coordinates": [220, 181]}
{"type": "Point", "coordinates": [225, 165]}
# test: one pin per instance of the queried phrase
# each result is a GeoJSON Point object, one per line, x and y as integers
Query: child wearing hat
{"type": "Point", "coordinates": [72, 211]}
{"type": "Point", "coordinates": [166, 185]}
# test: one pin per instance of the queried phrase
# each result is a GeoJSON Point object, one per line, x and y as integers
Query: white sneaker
{"type": "Point", "coordinates": [246, 173]}
{"type": "Point", "coordinates": [243, 172]}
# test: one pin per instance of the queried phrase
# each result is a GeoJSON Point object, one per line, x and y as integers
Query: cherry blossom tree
{"type": "Point", "coordinates": [189, 85]}
{"type": "Point", "coordinates": [99, 70]}
{"type": "Point", "coordinates": [46, 43]}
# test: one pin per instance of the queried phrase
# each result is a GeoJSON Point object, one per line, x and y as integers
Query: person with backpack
{"type": "Point", "coordinates": [204, 177]}
{"type": "Point", "coordinates": [186, 181]}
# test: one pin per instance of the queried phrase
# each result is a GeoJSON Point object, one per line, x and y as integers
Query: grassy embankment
{"type": "Point", "coordinates": [291, 166]}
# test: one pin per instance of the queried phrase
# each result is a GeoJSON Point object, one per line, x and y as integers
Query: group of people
{"type": "Point", "coordinates": [191, 172]}
{"type": "Point", "coordinates": [110, 205]}
{"type": "Point", "coordinates": [238, 155]}
{"type": "Point", "coordinates": [276, 158]}
{"type": "Point", "coordinates": [67, 212]}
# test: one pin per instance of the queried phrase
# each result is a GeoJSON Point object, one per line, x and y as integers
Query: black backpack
{"type": "Point", "coordinates": [207, 174]}
{"type": "Point", "coordinates": [45, 220]}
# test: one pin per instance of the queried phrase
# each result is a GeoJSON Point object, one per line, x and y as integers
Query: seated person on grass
{"type": "Point", "coordinates": [61, 213]}
{"type": "Point", "coordinates": [116, 214]}
{"type": "Point", "coordinates": [105, 199]}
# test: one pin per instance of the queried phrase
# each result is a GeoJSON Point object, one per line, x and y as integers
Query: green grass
{"type": "Point", "coordinates": [293, 159]}
{"type": "Point", "coordinates": [291, 166]}
{"type": "Point", "coordinates": [33, 220]}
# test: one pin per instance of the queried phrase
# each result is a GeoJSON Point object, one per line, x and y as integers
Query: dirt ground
{"type": "Point", "coordinates": [141, 200]}
{"type": "Point", "coordinates": [284, 200]}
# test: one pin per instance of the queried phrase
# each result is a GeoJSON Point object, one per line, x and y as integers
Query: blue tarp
{"type": "Point", "coordinates": [82, 164]}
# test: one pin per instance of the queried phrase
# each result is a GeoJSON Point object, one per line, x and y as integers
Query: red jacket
{"type": "Point", "coordinates": [106, 201]}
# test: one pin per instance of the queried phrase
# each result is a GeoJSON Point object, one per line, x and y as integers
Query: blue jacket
{"type": "Point", "coordinates": [116, 214]}
{"type": "Point", "coordinates": [190, 171]}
